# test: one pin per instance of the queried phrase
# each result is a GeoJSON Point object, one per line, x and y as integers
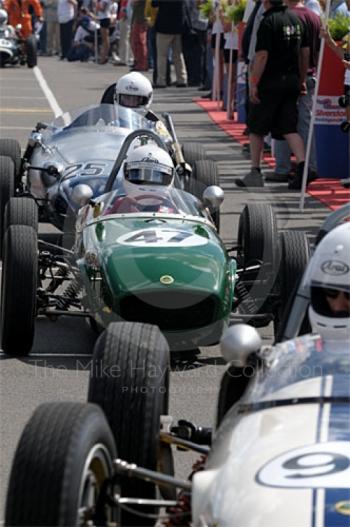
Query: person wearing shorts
{"type": "Point", "coordinates": [275, 82]}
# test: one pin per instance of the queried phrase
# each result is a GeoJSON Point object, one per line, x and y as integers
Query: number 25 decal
{"type": "Point", "coordinates": [325, 465]}
{"type": "Point", "coordinates": [87, 169]}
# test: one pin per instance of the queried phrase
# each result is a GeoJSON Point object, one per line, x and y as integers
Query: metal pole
{"type": "Point", "coordinates": [216, 75]}
{"type": "Point", "coordinates": [313, 114]}
{"type": "Point", "coordinates": [229, 82]}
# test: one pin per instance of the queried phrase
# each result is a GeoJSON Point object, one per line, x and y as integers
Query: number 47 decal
{"type": "Point", "coordinates": [323, 465]}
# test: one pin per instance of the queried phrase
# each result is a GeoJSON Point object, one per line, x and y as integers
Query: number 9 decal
{"type": "Point", "coordinates": [323, 465]}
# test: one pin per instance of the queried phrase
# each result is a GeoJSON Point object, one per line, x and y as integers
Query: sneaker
{"type": "Point", "coordinates": [276, 177]}
{"type": "Point", "coordinates": [296, 182]}
{"type": "Point", "coordinates": [253, 179]}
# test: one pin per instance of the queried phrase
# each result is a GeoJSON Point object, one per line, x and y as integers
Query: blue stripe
{"type": "Point", "coordinates": [339, 430]}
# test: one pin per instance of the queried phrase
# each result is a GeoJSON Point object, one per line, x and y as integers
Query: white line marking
{"type": "Point", "coordinates": [51, 355]}
{"type": "Point", "coordinates": [19, 97]}
{"type": "Point", "coordinates": [320, 497]}
{"type": "Point", "coordinates": [47, 92]}
{"type": "Point", "coordinates": [16, 128]}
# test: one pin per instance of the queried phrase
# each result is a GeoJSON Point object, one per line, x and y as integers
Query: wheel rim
{"type": "Point", "coordinates": [97, 469]}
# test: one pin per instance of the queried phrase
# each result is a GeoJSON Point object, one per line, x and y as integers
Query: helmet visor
{"type": "Point", "coordinates": [155, 173]}
{"type": "Point", "coordinates": [131, 101]}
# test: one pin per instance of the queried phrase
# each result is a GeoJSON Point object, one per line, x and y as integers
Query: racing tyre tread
{"type": "Point", "coordinates": [11, 148]}
{"type": "Point", "coordinates": [134, 348]}
{"type": "Point", "coordinates": [295, 254]}
{"type": "Point", "coordinates": [205, 173]}
{"type": "Point", "coordinates": [7, 190]}
{"type": "Point", "coordinates": [193, 152]}
{"type": "Point", "coordinates": [134, 398]}
{"type": "Point", "coordinates": [21, 211]}
{"type": "Point", "coordinates": [31, 50]}
{"type": "Point", "coordinates": [18, 290]}
{"type": "Point", "coordinates": [49, 460]}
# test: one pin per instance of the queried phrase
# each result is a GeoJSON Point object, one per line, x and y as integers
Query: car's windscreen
{"type": "Point", "coordinates": [101, 116]}
{"type": "Point", "coordinates": [299, 360]}
{"type": "Point", "coordinates": [130, 198]}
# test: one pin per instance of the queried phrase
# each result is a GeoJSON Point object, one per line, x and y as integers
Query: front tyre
{"type": "Point", "coordinates": [31, 51]}
{"type": "Point", "coordinates": [62, 461]}
{"type": "Point", "coordinates": [130, 382]}
{"type": "Point", "coordinates": [18, 290]}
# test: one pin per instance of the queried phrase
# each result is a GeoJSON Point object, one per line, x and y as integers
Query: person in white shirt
{"type": "Point", "coordinates": [103, 8]}
{"type": "Point", "coordinates": [66, 10]}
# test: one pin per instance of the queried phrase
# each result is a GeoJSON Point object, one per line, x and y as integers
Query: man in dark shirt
{"type": "Point", "coordinates": [312, 25]}
{"type": "Point", "coordinates": [277, 74]}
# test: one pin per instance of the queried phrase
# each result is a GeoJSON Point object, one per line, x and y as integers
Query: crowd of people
{"type": "Point", "coordinates": [279, 46]}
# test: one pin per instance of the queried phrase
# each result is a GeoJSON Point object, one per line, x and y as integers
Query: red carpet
{"type": "Point", "coordinates": [329, 191]}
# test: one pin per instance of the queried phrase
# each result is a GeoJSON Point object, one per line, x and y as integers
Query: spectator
{"type": "Point", "coordinates": [83, 43]}
{"type": "Point", "coordinates": [230, 49]}
{"type": "Point", "coordinates": [124, 33]}
{"type": "Point", "coordinates": [103, 15]}
{"type": "Point", "coordinates": [338, 7]}
{"type": "Point", "coordinates": [139, 35]}
{"type": "Point", "coordinates": [19, 13]}
{"type": "Point", "coordinates": [312, 26]}
{"type": "Point", "coordinates": [274, 85]}
{"type": "Point", "coordinates": [66, 10]}
{"type": "Point", "coordinates": [194, 46]}
{"type": "Point", "coordinates": [170, 26]}
{"type": "Point", "coordinates": [52, 28]}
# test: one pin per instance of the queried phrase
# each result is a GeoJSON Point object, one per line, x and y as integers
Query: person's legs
{"type": "Point", "coordinates": [304, 118]}
{"type": "Point", "coordinates": [296, 144]}
{"type": "Point", "coordinates": [105, 40]}
{"type": "Point", "coordinates": [178, 59]}
{"type": "Point", "coordinates": [256, 148]}
{"type": "Point", "coordinates": [282, 157]}
{"type": "Point", "coordinates": [163, 41]}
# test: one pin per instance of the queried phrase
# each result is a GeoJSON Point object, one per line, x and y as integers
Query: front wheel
{"type": "Point", "coordinates": [31, 50]}
{"type": "Point", "coordinates": [7, 190]}
{"type": "Point", "coordinates": [61, 465]}
{"type": "Point", "coordinates": [18, 290]}
{"type": "Point", "coordinates": [130, 382]}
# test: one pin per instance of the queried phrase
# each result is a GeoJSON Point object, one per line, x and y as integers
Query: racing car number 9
{"type": "Point", "coordinates": [322, 465]}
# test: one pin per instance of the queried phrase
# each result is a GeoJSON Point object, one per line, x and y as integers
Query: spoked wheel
{"type": "Point", "coordinates": [295, 255]}
{"type": "Point", "coordinates": [257, 235]}
{"type": "Point", "coordinates": [193, 152]}
{"type": "Point", "coordinates": [11, 148]}
{"type": "Point", "coordinates": [61, 466]}
{"type": "Point", "coordinates": [205, 174]}
{"type": "Point", "coordinates": [7, 189]}
{"type": "Point", "coordinates": [32, 52]}
{"type": "Point", "coordinates": [133, 398]}
{"type": "Point", "coordinates": [18, 289]}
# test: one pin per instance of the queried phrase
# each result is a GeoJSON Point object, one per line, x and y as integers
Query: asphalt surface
{"type": "Point", "coordinates": [57, 368]}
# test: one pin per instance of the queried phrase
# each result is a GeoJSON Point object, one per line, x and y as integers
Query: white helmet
{"type": "Point", "coordinates": [328, 276]}
{"type": "Point", "coordinates": [149, 164]}
{"type": "Point", "coordinates": [3, 17]}
{"type": "Point", "coordinates": [134, 90]}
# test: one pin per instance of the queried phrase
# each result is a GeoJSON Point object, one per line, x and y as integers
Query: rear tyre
{"type": "Point", "coordinates": [7, 189]}
{"type": "Point", "coordinates": [11, 148]}
{"type": "Point", "coordinates": [18, 290]}
{"type": "Point", "coordinates": [257, 235]}
{"type": "Point", "coordinates": [21, 211]}
{"type": "Point", "coordinates": [63, 458]}
{"type": "Point", "coordinates": [295, 255]}
{"type": "Point", "coordinates": [130, 382]}
{"type": "Point", "coordinates": [205, 174]}
{"type": "Point", "coordinates": [193, 152]}
{"type": "Point", "coordinates": [31, 50]}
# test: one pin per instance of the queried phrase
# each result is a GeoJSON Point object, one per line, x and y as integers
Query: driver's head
{"type": "Point", "coordinates": [150, 165]}
{"type": "Point", "coordinates": [328, 275]}
{"type": "Point", "coordinates": [134, 90]}
{"type": "Point", "coordinates": [3, 17]}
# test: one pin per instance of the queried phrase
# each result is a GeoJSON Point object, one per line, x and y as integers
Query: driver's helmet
{"type": "Point", "coordinates": [3, 17]}
{"type": "Point", "coordinates": [134, 90]}
{"type": "Point", "coordinates": [150, 165]}
{"type": "Point", "coordinates": [328, 276]}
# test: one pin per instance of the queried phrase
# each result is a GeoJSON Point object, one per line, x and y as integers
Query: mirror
{"type": "Point", "coordinates": [238, 343]}
{"type": "Point", "coordinates": [213, 196]}
{"type": "Point", "coordinates": [81, 194]}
